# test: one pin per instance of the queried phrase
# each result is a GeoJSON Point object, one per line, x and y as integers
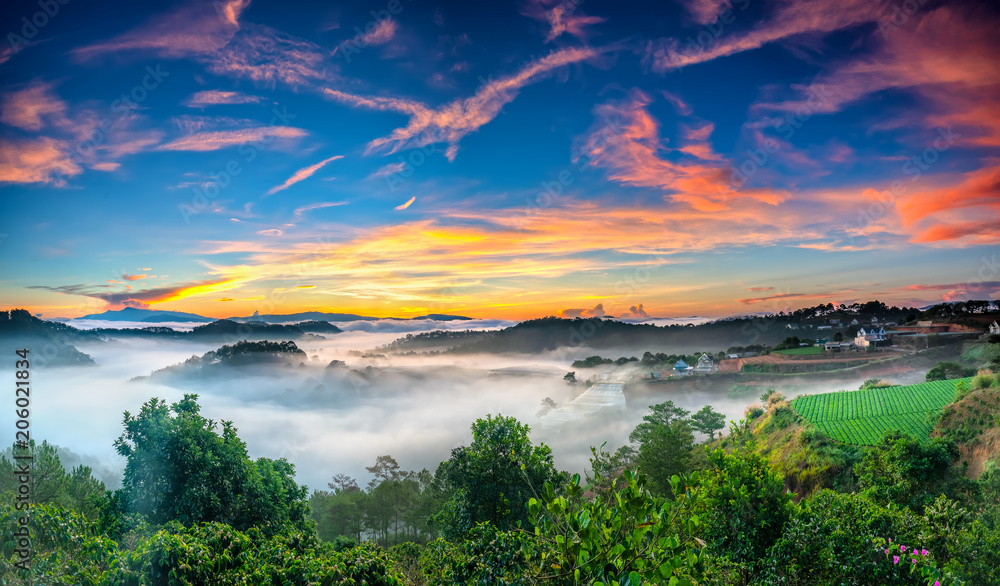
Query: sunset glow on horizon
{"type": "Point", "coordinates": [501, 160]}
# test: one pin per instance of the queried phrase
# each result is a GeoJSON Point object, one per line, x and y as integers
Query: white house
{"type": "Point", "coordinates": [854, 322]}
{"type": "Point", "coordinates": [870, 337]}
{"type": "Point", "coordinates": [792, 326]}
{"type": "Point", "coordinates": [705, 364]}
{"type": "Point", "coordinates": [994, 328]}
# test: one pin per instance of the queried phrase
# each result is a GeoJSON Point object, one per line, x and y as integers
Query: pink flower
{"type": "Point", "coordinates": [895, 559]}
{"type": "Point", "coordinates": [914, 561]}
{"type": "Point", "coordinates": [902, 548]}
{"type": "Point", "coordinates": [924, 552]}
{"type": "Point", "coordinates": [937, 583]}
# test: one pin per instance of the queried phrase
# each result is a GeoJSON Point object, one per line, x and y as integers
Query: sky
{"type": "Point", "coordinates": [502, 160]}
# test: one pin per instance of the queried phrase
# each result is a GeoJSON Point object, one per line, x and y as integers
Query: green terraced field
{"type": "Point", "coordinates": [861, 417]}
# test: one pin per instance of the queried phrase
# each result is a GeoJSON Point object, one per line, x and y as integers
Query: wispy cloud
{"type": "Point", "coordinates": [218, 97]}
{"type": "Point", "coordinates": [408, 203]}
{"type": "Point", "coordinates": [265, 55]}
{"type": "Point", "coordinates": [383, 32]}
{"type": "Point", "coordinates": [211, 141]}
{"type": "Point", "coordinates": [453, 121]}
{"type": "Point", "coordinates": [129, 277]}
{"type": "Point", "coordinates": [789, 20]}
{"type": "Point", "coordinates": [302, 211]}
{"type": "Point", "coordinates": [196, 29]}
{"type": "Point", "coordinates": [301, 174]}
{"type": "Point", "coordinates": [564, 16]}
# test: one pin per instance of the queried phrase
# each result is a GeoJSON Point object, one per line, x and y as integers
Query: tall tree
{"type": "Point", "coordinates": [708, 421]}
{"type": "Point", "coordinates": [494, 477]}
{"type": "Point", "coordinates": [180, 469]}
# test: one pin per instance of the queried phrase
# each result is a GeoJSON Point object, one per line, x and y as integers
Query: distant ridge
{"type": "Point", "coordinates": [146, 315]}
{"type": "Point", "coordinates": [322, 316]}
{"type": "Point", "coordinates": [156, 316]}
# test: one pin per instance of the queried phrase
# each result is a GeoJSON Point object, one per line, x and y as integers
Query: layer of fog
{"type": "Point", "coordinates": [329, 421]}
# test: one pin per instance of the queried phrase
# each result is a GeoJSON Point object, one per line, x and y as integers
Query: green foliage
{"type": "Point", "coordinates": [69, 549]}
{"type": "Point", "coordinates": [494, 477]}
{"type": "Point", "coordinates": [910, 473]}
{"type": "Point", "coordinates": [665, 441]}
{"type": "Point", "coordinates": [947, 370]}
{"type": "Point", "coordinates": [485, 556]}
{"type": "Point", "coordinates": [708, 421]}
{"type": "Point", "coordinates": [744, 507]}
{"type": "Point", "coordinates": [50, 482]}
{"type": "Point", "coordinates": [180, 469]}
{"type": "Point", "coordinates": [831, 539]}
{"type": "Point", "coordinates": [983, 380]}
{"type": "Point", "coordinates": [625, 536]}
{"type": "Point", "coordinates": [591, 362]}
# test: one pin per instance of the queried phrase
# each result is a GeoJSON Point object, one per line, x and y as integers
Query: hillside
{"type": "Point", "coordinates": [221, 362]}
{"type": "Point", "coordinates": [51, 342]}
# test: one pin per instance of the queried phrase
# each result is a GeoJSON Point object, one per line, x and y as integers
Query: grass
{"type": "Point", "coordinates": [801, 351]}
{"type": "Point", "coordinates": [861, 417]}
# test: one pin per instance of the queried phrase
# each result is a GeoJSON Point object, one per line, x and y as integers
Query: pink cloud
{"type": "Point", "coordinates": [706, 11]}
{"type": "Point", "coordinates": [301, 174]}
{"type": "Point", "coordinates": [217, 97]}
{"type": "Point", "coordinates": [28, 108]}
{"type": "Point", "coordinates": [563, 17]}
{"type": "Point", "coordinates": [196, 29]}
{"type": "Point", "coordinates": [211, 141]}
{"type": "Point", "coordinates": [789, 20]}
{"type": "Point", "coordinates": [40, 160]}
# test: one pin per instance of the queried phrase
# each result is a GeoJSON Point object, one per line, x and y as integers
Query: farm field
{"type": "Point", "coordinates": [802, 351]}
{"type": "Point", "coordinates": [861, 417]}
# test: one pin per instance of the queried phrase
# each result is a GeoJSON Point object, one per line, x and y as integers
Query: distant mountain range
{"type": "Point", "coordinates": [131, 314]}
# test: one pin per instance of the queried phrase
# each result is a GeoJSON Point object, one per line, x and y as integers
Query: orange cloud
{"type": "Point", "coordinates": [627, 142]}
{"type": "Point", "coordinates": [408, 203]}
{"type": "Point", "coordinates": [129, 277]}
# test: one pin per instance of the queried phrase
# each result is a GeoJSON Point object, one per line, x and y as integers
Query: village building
{"type": "Point", "coordinates": [870, 337]}
{"type": "Point", "coordinates": [681, 367]}
{"type": "Point", "coordinates": [994, 328]}
{"type": "Point", "coordinates": [705, 365]}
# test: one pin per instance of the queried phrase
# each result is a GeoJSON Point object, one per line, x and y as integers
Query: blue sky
{"type": "Point", "coordinates": [497, 160]}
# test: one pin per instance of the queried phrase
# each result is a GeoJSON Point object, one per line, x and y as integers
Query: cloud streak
{"type": "Point", "coordinates": [301, 174]}
{"type": "Point", "coordinates": [220, 139]}
{"type": "Point", "coordinates": [455, 120]}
